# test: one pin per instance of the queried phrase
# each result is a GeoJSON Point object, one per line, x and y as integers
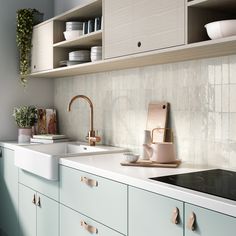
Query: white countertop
{"type": "Point", "coordinates": [108, 166]}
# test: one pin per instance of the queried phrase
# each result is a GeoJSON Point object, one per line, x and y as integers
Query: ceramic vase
{"type": "Point", "coordinates": [24, 135]}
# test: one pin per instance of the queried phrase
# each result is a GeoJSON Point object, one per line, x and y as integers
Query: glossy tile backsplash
{"type": "Point", "coordinates": [202, 95]}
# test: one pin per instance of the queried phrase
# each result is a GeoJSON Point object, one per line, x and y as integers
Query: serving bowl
{"type": "Point", "coordinates": [221, 29]}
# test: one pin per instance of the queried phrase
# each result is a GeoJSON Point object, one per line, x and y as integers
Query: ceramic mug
{"type": "Point", "coordinates": [163, 152]}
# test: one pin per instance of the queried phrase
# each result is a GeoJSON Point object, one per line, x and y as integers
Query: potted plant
{"type": "Point", "coordinates": [26, 19]}
{"type": "Point", "coordinates": [25, 117]}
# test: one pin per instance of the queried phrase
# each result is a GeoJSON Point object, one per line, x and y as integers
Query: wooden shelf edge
{"type": "Point", "coordinates": [207, 49]}
{"type": "Point", "coordinates": [68, 43]}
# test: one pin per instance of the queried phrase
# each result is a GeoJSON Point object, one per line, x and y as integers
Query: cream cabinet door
{"type": "Point", "coordinates": [135, 26]}
{"type": "Point", "coordinates": [42, 47]}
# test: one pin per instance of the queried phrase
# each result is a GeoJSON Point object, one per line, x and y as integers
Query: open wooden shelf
{"type": "Point", "coordinates": [206, 49]}
{"type": "Point", "coordinates": [87, 40]}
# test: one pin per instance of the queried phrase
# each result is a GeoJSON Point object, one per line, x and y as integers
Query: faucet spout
{"type": "Point", "coordinates": [90, 104]}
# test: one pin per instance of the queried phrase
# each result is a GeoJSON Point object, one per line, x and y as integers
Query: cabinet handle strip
{"type": "Point", "coordinates": [91, 229]}
{"type": "Point", "coordinates": [34, 200]}
{"type": "Point", "coordinates": [89, 182]}
{"type": "Point", "coordinates": [39, 202]}
{"type": "Point", "coordinates": [175, 216]}
{"type": "Point", "coordinates": [191, 221]}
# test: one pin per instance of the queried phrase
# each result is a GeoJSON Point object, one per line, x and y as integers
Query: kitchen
{"type": "Point", "coordinates": [200, 92]}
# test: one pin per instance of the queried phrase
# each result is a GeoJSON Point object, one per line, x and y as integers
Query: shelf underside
{"type": "Point", "coordinates": [206, 49]}
{"type": "Point", "coordinates": [223, 5]}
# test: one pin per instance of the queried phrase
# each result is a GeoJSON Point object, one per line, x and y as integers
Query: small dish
{"type": "Point", "coordinates": [131, 157]}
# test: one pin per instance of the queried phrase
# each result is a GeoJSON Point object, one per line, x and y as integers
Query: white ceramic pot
{"type": "Point", "coordinates": [24, 135]}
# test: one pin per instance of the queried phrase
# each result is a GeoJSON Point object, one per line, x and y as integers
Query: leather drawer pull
{"type": "Point", "coordinates": [91, 229]}
{"type": "Point", "coordinates": [34, 200]}
{"type": "Point", "coordinates": [39, 202]}
{"type": "Point", "coordinates": [175, 216]}
{"type": "Point", "coordinates": [191, 221]}
{"type": "Point", "coordinates": [89, 182]}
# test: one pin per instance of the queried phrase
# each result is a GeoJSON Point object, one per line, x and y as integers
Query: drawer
{"type": "Point", "coordinates": [72, 223]}
{"type": "Point", "coordinates": [98, 198]}
{"type": "Point", "coordinates": [46, 187]}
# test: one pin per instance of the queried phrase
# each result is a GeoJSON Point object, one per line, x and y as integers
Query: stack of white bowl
{"type": "Point", "coordinates": [80, 56]}
{"type": "Point", "coordinates": [96, 53]}
{"type": "Point", "coordinates": [74, 29]}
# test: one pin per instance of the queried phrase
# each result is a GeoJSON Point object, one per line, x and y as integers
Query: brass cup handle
{"type": "Point", "coordinates": [175, 216]}
{"type": "Point", "coordinates": [39, 202]}
{"type": "Point", "coordinates": [34, 199]}
{"type": "Point", "coordinates": [91, 229]}
{"type": "Point", "coordinates": [89, 182]}
{"type": "Point", "coordinates": [191, 221]}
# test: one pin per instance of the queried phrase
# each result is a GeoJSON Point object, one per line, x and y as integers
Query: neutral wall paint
{"type": "Point", "coordinates": [62, 5]}
{"type": "Point", "coordinates": [39, 91]}
{"type": "Point", "coordinates": [202, 98]}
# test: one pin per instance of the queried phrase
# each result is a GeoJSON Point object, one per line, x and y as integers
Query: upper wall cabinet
{"type": "Point", "coordinates": [136, 26]}
{"type": "Point", "coordinates": [135, 33]}
{"type": "Point", "coordinates": [42, 50]}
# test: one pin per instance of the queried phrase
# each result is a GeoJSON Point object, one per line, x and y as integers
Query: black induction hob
{"type": "Point", "coordinates": [221, 183]}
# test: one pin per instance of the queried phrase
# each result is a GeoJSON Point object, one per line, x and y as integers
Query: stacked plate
{"type": "Point", "coordinates": [80, 56]}
{"type": "Point", "coordinates": [74, 29]}
{"type": "Point", "coordinates": [74, 25]}
{"type": "Point", "coordinates": [96, 53]}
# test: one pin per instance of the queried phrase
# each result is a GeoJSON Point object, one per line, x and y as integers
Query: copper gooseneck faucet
{"type": "Point", "coordinates": [92, 138]}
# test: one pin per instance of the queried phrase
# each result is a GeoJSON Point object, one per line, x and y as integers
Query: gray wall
{"type": "Point", "coordinates": [39, 91]}
{"type": "Point", "coordinates": [64, 5]}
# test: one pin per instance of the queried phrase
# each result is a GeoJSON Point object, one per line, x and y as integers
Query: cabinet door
{"type": "Point", "coordinates": [8, 193]}
{"type": "Point", "coordinates": [70, 225]}
{"type": "Point", "coordinates": [47, 216]}
{"type": "Point", "coordinates": [208, 223]}
{"type": "Point", "coordinates": [27, 211]}
{"type": "Point", "coordinates": [101, 199]}
{"type": "Point", "coordinates": [152, 214]}
{"type": "Point", "coordinates": [42, 49]}
{"type": "Point", "coordinates": [136, 26]}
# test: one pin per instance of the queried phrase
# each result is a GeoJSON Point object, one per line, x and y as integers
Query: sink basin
{"type": "Point", "coordinates": [43, 159]}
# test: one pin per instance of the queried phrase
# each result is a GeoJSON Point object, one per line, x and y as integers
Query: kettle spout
{"type": "Point", "coordinates": [148, 150]}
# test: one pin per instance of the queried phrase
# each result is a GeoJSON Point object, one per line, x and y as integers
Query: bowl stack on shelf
{"type": "Point", "coordinates": [74, 29]}
{"type": "Point", "coordinates": [96, 53]}
{"type": "Point", "coordinates": [78, 57]}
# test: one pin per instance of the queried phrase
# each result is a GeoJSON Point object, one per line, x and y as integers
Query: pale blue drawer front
{"type": "Point", "coordinates": [151, 214]}
{"type": "Point", "coordinates": [8, 194]}
{"type": "Point", "coordinates": [209, 223]}
{"type": "Point", "coordinates": [105, 203]}
{"type": "Point", "coordinates": [46, 187]}
{"type": "Point", "coordinates": [47, 217]}
{"type": "Point", "coordinates": [70, 224]}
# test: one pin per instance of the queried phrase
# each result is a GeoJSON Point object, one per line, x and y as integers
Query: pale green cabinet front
{"type": "Point", "coordinates": [27, 211]}
{"type": "Point", "coordinates": [8, 193]}
{"type": "Point", "coordinates": [153, 214]}
{"type": "Point", "coordinates": [203, 222]}
{"type": "Point", "coordinates": [101, 199]}
{"type": "Point", "coordinates": [74, 224]}
{"type": "Point", "coordinates": [39, 215]}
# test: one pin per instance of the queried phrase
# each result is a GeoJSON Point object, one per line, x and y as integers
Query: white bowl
{"type": "Point", "coordinates": [131, 157]}
{"type": "Point", "coordinates": [72, 34]}
{"type": "Point", "coordinates": [221, 29]}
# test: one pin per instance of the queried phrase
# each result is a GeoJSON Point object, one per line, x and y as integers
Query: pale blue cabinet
{"type": "Point", "coordinates": [153, 214]}
{"type": "Point", "coordinates": [203, 222]}
{"type": "Point", "coordinates": [8, 193]}
{"type": "Point", "coordinates": [38, 214]}
{"type": "Point", "coordinates": [74, 224]}
{"type": "Point", "coordinates": [99, 198]}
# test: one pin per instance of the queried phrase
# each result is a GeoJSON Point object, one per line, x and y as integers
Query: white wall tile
{"type": "Point", "coordinates": [202, 98]}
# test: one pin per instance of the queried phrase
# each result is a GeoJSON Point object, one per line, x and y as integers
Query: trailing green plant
{"type": "Point", "coordinates": [25, 116]}
{"type": "Point", "coordinates": [24, 32]}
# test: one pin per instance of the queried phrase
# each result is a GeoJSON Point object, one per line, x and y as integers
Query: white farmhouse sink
{"type": "Point", "coordinates": [43, 159]}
